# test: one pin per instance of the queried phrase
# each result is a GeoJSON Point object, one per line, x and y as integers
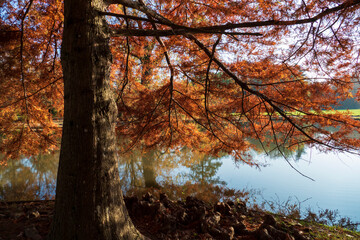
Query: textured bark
{"type": "Point", "coordinates": [89, 201]}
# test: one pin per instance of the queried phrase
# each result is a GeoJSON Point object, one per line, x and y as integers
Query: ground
{"type": "Point", "coordinates": [162, 218]}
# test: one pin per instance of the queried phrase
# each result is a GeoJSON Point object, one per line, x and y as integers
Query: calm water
{"type": "Point", "coordinates": [336, 185]}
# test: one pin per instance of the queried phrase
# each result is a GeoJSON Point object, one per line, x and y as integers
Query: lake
{"type": "Point", "coordinates": [335, 186]}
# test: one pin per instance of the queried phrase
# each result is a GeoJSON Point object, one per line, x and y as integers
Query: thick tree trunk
{"type": "Point", "coordinates": [89, 201]}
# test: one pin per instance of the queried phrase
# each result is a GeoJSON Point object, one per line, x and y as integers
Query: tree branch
{"type": "Point", "coordinates": [25, 97]}
{"type": "Point", "coordinates": [222, 28]}
{"type": "Point", "coordinates": [173, 32]}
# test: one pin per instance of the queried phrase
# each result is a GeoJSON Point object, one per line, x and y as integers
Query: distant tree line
{"type": "Point", "coordinates": [350, 103]}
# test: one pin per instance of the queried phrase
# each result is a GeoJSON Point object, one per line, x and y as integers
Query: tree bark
{"type": "Point", "coordinates": [89, 202]}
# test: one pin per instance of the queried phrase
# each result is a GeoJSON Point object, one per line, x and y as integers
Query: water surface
{"type": "Point", "coordinates": [336, 185]}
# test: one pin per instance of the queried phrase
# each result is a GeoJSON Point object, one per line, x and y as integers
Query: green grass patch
{"type": "Point", "coordinates": [355, 113]}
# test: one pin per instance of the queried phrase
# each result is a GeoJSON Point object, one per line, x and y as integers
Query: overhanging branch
{"type": "Point", "coordinates": [157, 18]}
{"type": "Point", "coordinates": [173, 32]}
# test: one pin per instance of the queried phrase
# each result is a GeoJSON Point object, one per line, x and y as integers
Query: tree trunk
{"type": "Point", "coordinates": [89, 202]}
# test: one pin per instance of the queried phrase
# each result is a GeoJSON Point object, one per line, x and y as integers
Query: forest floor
{"type": "Point", "coordinates": [162, 218]}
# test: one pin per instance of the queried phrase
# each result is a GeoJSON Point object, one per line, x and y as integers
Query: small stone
{"type": "Point", "coordinates": [33, 214]}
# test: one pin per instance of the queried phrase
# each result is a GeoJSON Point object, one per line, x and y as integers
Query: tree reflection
{"type": "Point", "coordinates": [274, 151]}
{"type": "Point", "coordinates": [29, 178]}
{"type": "Point", "coordinates": [205, 171]}
{"type": "Point", "coordinates": [179, 172]}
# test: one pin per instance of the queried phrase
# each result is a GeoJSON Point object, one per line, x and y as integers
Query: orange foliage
{"type": "Point", "coordinates": [208, 75]}
{"type": "Point", "coordinates": [30, 75]}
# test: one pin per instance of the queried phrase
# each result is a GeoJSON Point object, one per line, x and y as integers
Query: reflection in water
{"type": "Point", "coordinates": [274, 151]}
{"type": "Point", "coordinates": [148, 162]}
{"type": "Point", "coordinates": [29, 178]}
{"type": "Point", "coordinates": [183, 172]}
{"type": "Point", "coordinates": [205, 170]}
{"type": "Point", "coordinates": [35, 177]}
{"type": "Point", "coordinates": [154, 169]}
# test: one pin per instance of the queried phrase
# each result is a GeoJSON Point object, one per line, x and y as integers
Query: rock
{"type": "Point", "coordinates": [298, 235]}
{"type": "Point", "coordinates": [230, 203]}
{"type": "Point", "coordinates": [182, 216]}
{"type": "Point", "coordinates": [33, 214]}
{"type": "Point", "coordinates": [269, 220]}
{"type": "Point", "coordinates": [216, 218]}
{"type": "Point", "coordinates": [196, 213]}
{"type": "Point", "coordinates": [239, 228]}
{"type": "Point", "coordinates": [148, 197]}
{"type": "Point", "coordinates": [209, 222]}
{"type": "Point", "coordinates": [263, 234]}
{"type": "Point", "coordinates": [223, 208]}
{"type": "Point", "coordinates": [278, 234]}
{"type": "Point", "coordinates": [163, 196]}
{"type": "Point", "coordinates": [147, 208]}
{"type": "Point", "coordinates": [165, 200]}
{"type": "Point", "coordinates": [192, 201]}
{"type": "Point", "coordinates": [240, 207]}
{"type": "Point", "coordinates": [224, 234]}
{"type": "Point", "coordinates": [214, 231]}
{"type": "Point", "coordinates": [157, 207]}
{"type": "Point", "coordinates": [32, 233]}
{"type": "Point", "coordinates": [229, 234]}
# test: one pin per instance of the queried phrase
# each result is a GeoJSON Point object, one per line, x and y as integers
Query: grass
{"type": "Point", "coordinates": [320, 231]}
{"type": "Point", "coordinates": [355, 113]}
{"type": "Point", "coordinates": [352, 112]}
